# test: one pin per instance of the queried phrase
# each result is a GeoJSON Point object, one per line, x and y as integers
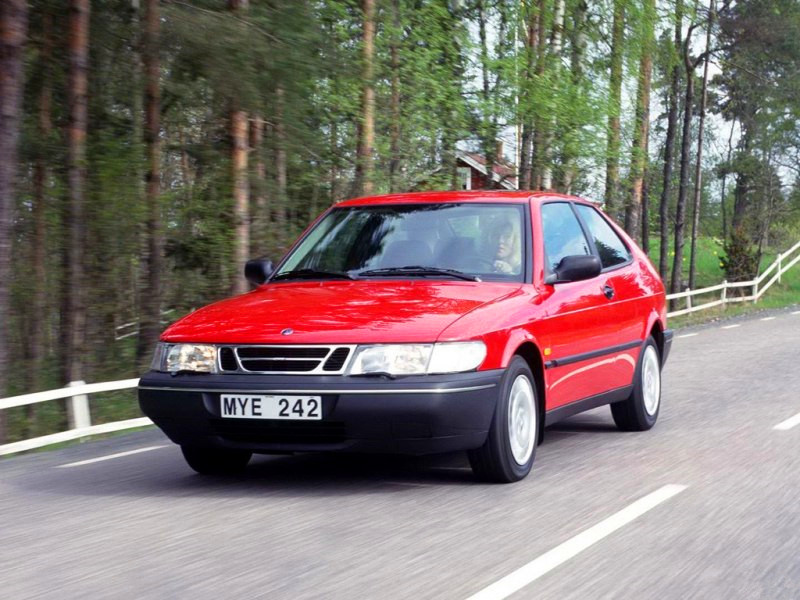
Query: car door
{"type": "Point", "coordinates": [582, 333]}
{"type": "Point", "coordinates": [619, 277]}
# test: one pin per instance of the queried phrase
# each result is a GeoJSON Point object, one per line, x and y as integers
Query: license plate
{"type": "Point", "coordinates": [247, 406]}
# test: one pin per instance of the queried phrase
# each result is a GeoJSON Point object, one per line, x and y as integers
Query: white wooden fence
{"type": "Point", "coordinates": [80, 419]}
{"type": "Point", "coordinates": [80, 422]}
{"type": "Point", "coordinates": [783, 262]}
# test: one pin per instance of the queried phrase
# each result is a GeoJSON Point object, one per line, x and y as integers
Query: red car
{"type": "Point", "coordinates": [420, 323]}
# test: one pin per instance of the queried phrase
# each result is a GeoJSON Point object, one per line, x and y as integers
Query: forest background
{"type": "Point", "coordinates": [148, 148]}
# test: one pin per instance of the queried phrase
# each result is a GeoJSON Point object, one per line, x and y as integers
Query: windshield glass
{"type": "Point", "coordinates": [483, 240]}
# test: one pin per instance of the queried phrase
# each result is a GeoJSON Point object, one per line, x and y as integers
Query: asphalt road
{"type": "Point", "coordinates": [144, 526]}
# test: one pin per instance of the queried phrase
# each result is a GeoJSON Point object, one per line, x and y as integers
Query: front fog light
{"type": "Point", "coordinates": [191, 357]}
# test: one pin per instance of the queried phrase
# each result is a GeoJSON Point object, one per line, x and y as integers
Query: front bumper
{"type": "Point", "coordinates": [409, 415]}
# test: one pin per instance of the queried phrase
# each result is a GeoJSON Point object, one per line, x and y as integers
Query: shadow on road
{"type": "Point", "coordinates": [164, 473]}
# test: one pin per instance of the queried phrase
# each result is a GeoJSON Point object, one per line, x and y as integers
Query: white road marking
{"type": "Point", "coordinates": [80, 463]}
{"type": "Point", "coordinates": [796, 312]}
{"type": "Point", "coordinates": [767, 318]}
{"type": "Point", "coordinates": [788, 423]}
{"type": "Point", "coordinates": [548, 561]}
{"type": "Point", "coordinates": [732, 326]}
{"type": "Point", "coordinates": [685, 335]}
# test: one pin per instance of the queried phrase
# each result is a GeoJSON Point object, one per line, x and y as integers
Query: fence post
{"type": "Point", "coordinates": [780, 256]}
{"type": "Point", "coordinates": [688, 298]}
{"type": "Point", "coordinates": [79, 416]}
{"type": "Point", "coordinates": [755, 290]}
{"type": "Point", "coordinates": [724, 292]}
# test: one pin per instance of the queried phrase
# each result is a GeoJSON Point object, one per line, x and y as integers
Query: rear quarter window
{"type": "Point", "coordinates": [610, 247]}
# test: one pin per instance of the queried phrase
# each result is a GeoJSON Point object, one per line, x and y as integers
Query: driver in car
{"type": "Point", "coordinates": [505, 243]}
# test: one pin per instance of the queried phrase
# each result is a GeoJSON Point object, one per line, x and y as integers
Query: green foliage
{"type": "Point", "coordinates": [740, 261]}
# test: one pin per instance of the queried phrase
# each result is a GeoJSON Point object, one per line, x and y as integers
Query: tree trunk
{"type": "Point", "coordinates": [614, 109]}
{"type": "Point", "coordinates": [526, 145]}
{"type": "Point", "coordinates": [683, 189]}
{"type": "Point", "coordinates": [41, 175]}
{"type": "Point", "coordinates": [449, 114]}
{"type": "Point", "coordinates": [488, 134]}
{"type": "Point", "coordinates": [77, 102]}
{"type": "Point", "coordinates": [698, 173]}
{"type": "Point", "coordinates": [241, 182]}
{"type": "Point", "coordinates": [150, 324]}
{"type": "Point", "coordinates": [44, 129]}
{"type": "Point", "coordinates": [723, 199]}
{"type": "Point", "coordinates": [741, 200]}
{"type": "Point", "coordinates": [672, 125]}
{"type": "Point", "coordinates": [281, 208]}
{"type": "Point", "coordinates": [366, 139]}
{"type": "Point", "coordinates": [241, 197]}
{"type": "Point", "coordinates": [537, 146]}
{"type": "Point", "coordinates": [334, 149]}
{"type": "Point", "coordinates": [577, 63]}
{"type": "Point", "coordinates": [13, 32]}
{"type": "Point", "coordinates": [633, 208]}
{"type": "Point", "coordinates": [394, 129]}
{"type": "Point", "coordinates": [260, 218]}
{"type": "Point", "coordinates": [546, 152]}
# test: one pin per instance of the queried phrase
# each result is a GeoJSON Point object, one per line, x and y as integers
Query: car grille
{"type": "Point", "coordinates": [310, 360]}
{"type": "Point", "coordinates": [280, 432]}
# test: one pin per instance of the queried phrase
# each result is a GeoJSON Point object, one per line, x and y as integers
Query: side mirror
{"type": "Point", "coordinates": [575, 268]}
{"type": "Point", "coordinates": [258, 270]}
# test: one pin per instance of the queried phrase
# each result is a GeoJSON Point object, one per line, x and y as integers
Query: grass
{"type": "Point", "coordinates": [709, 267]}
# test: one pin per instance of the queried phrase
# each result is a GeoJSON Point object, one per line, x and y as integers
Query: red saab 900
{"type": "Point", "coordinates": [420, 323]}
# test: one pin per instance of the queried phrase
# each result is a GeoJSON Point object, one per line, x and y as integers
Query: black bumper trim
{"type": "Point", "coordinates": [233, 390]}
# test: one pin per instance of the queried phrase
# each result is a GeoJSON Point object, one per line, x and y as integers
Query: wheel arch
{"type": "Point", "coordinates": [529, 351]}
{"type": "Point", "coordinates": [656, 330]}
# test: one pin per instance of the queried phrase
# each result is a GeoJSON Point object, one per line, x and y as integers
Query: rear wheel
{"type": "Point", "coordinates": [216, 461]}
{"type": "Point", "coordinates": [509, 450]}
{"type": "Point", "coordinates": [640, 411]}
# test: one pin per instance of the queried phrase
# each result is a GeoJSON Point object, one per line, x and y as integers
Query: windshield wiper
{"type": "Point", "coordinates": [311, 274]}
{"type": "Point", "coordinates": [420, 271]}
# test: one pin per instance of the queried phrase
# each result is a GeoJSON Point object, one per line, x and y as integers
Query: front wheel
{"type": "Point", "coordinates": [509, 450]}
{"type": "Point", "coordinates": [216, 461]}
{"type": "Point", "coordinates": [640, 411]}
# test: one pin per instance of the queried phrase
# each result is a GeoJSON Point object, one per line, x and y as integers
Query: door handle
{"type": "Point", "coordinates": [608, 291]}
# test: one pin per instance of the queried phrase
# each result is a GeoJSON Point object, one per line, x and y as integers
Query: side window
{"type": "Point", "coordinates": [610, 247]}
{"type": "Point", "coordinates": [562, 232]}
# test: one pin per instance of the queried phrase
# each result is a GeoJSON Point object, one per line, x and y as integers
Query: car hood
{"type": "Point", "coordinates": [343, 312]}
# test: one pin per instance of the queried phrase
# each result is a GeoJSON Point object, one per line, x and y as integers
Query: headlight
{"type": "Point", "coordinates": [456, 357]}
{"type": "Point", "coordinates": [418, 359]}
{"type": "Point", "coordinates": [172, 358]}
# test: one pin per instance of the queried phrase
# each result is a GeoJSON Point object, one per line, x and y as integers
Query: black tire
{"type": "Point", "coordinates": [216, 461]}
{"type": "Point", "coordinates": [494, 461]}
{"type": "Point", "coordinates": [632, 414]}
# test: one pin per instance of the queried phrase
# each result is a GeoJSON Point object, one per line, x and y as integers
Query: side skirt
{"type": "Point", "coordinates": [579, 406]}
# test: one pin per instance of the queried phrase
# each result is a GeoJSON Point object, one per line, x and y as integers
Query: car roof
{"type": "Point", "coordinates": [517, 197]}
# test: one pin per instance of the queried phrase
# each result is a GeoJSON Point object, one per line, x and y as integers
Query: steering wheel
{"type": "Point", "coordinates": [484, 264]}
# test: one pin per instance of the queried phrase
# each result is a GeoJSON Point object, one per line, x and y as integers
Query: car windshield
{"type": "Point", "coordinates": [452, 241]}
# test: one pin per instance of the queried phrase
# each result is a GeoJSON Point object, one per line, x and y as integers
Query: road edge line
{"type": "Point", "coordinates": [551, 559]}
